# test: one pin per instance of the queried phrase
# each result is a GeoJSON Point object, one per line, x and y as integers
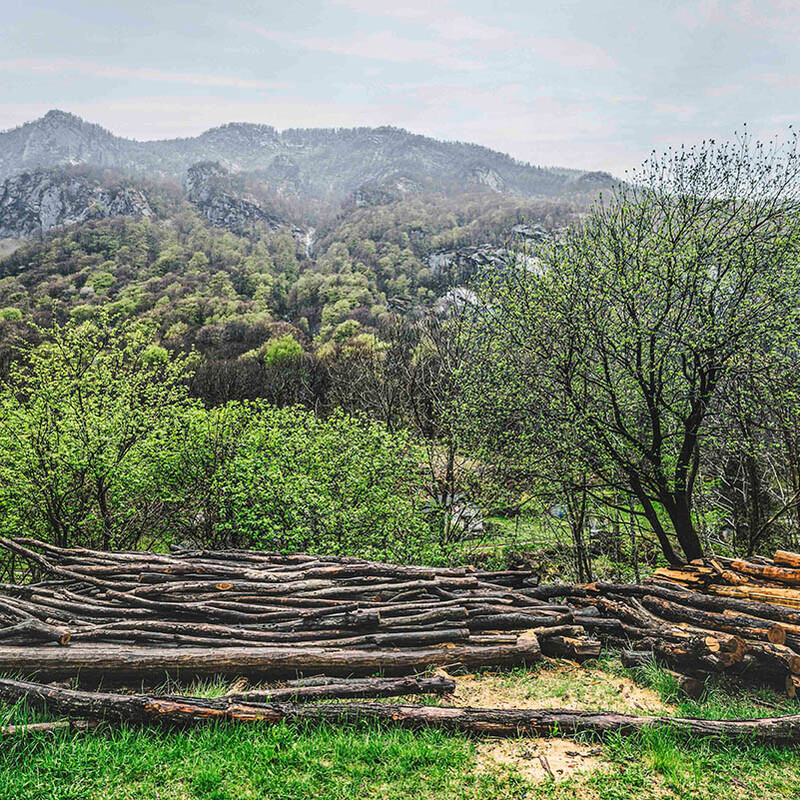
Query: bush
{"type": "Point", "coordinates": [284, 479]}
{"type": "Point", "coordinates": [82, 418]}
{"type": "Point", "coordinates": [101, 447]}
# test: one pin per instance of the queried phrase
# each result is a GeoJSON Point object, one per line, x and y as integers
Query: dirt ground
{"type": "Point", "coordinates": [555, 685]}
{"type": "Point", "coordinates": [552, 685]}
{"type": "Point", "coordinates": [538, 760]}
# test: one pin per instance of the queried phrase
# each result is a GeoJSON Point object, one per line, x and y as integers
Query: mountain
{"type": "Point", "coordinates": [222, 242]}
{"type": "Point", "coordinates": [330, 163]}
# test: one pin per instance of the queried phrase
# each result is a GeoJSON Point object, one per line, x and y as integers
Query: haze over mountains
{"type": "Point", "coordinates": [322, 163]}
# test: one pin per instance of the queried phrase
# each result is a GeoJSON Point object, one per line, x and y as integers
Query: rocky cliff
{"type": "Point", "coordinates": [209, 187]}
{"type": "Point", "coordinates": [35, 202]}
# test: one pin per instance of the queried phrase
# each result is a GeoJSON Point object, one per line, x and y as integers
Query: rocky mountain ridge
{"type": "Point", "coordinates": [312, 162]}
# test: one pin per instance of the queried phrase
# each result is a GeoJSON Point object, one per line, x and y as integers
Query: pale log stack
{"type": "Point", "coordinates": [117, 616]}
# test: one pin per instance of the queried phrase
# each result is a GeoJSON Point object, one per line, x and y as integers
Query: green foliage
{"type": "Point", "coordinates": [277, 352]}
{"type": "Point", "coordinates": [632, 328]}
{"type": "Point", "coordinates": [81, 418]}
{"type": "Point", "coordinates": [101, 446]}
{"type": "Point", "coordinates": [10, 314]}
{"type": "Point", "coordinates": [284, 479]}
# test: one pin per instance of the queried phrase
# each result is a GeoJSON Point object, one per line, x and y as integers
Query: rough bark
{"type": "Point", "coordinates": [187, 711]}
{"type": "Point", "coordinates": [116, 663]}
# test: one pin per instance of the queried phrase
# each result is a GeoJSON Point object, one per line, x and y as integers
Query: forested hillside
{"type": "Point", "coordinates": [224, 257]}
{"type": "Point", "coordinates": [316, 163]}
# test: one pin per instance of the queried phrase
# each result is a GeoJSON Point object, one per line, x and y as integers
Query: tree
{"type": "Point", "coordinates": [82, 418]}
{"type": "Point", "coordinates": [632, 325]}
{"type": "Point", "coordinates": [254, 475]}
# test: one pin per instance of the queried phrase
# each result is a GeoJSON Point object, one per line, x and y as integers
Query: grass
{"type": "Point", "coordinates": [228, 762]}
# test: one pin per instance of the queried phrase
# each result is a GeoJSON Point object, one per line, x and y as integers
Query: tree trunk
{"type": "Point", "coordinates": [678, 506]}
{"type": "Point", "coordinates": [186, 711]}
{"type": "Point", "coordinates": [118, 663]}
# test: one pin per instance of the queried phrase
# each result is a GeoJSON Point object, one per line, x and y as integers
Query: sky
{"type": "Point", "coordinates": [591, 84]}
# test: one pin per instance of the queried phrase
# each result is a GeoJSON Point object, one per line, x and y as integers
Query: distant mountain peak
{"type": "Point", "coordinates": [324, 164]}
{"type": "Point", "coordinates": [56, 114]}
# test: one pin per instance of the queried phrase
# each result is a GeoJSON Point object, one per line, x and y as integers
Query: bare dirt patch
{"type": "Point", "coordinates": [538, 760]}
{"type": "Point", "coordinates": [559, 684]}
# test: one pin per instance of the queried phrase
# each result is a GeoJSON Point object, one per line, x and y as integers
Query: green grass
{"type": "Point", "coordinates": [230, 762]}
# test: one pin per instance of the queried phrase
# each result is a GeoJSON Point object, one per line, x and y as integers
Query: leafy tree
{"type": "Point", "coordinates": [82, 418]}
{"type": "Point", "coordinates": [631, 327]}
{"type": "Point", "coordinates": [285, 479]}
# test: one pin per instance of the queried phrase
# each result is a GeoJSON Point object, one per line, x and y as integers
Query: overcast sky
{"type": "Point", "coordinates": [584, 83]}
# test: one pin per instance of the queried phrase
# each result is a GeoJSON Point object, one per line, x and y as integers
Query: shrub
{"type": "Point", "coordinates": [285, 479]}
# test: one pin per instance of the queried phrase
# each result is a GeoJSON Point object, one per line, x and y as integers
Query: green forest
{"type": "Point", "coordinates": [633, 371]}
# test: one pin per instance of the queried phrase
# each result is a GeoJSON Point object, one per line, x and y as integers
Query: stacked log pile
{"type": "Point", "coordinates": [193, 612]}
{"type": "Point", "coordinates": [731, 616]}
{"type": "Point", "coordinates": [248, 612]}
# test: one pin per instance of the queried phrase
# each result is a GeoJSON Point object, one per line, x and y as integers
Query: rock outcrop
{"type": "Point", "coordinates": [209, 187]}
{"type": "Point", "coordinates": [36, 202]}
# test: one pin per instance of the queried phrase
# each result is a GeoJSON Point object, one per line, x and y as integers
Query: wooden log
{"type": "Point", "coordinates": [767, 611]}
{"type": "Point", "coordinates": [784, 597]}
{"type": "Point", "coordinates": [56, 570]}
{"type": "Point", "coordinates": [411, 638]}
{"type": "Point", "coordinates": [354, 688]}
{"type": "Point", "coordinates": [790, 577]}
{"type": "Point", "coordinates": [438, 584]}
{"type": "Point", "coordinates": [688, 576]}
{"type": "Point", "coordinates": [740, 624]}
{"type": "Point", "coordinates": [692, 656]}
{"type": "Point", "coordinates": [612, 627]}
{"type": "Point", "coordinates": [29, 625]}
{"type": "Point", "coordinates": [776, 655]}
{"type": "Point", "coordinates": [785, 558]}
{"type": "Point", "coordinates": [515, 722]}
{"type": "Point", "coordinates": [557, 630]}
{"type": "Point", "coordinates": [703, 642]}
{"type": "Point", "coordinates": [119, 663]}
{"type": "Point", "coordinates": [34, 631]}
{"type": "Point", "coordinates": [514, 621]}
{"type": "Point", "coordinates": [573, 648]}
{"type": "Point", "coordinates": [49, 727]}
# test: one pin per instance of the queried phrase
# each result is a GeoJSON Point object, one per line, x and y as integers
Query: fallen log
{"type": "Point", "coordinates": [119, 663]}
{"type": "Point", "coordinates": [709, 602]}
{"type": "Point", "coordinates": [573, 648]}
{"type": "Point", "coordinates": [49, 727]}
{"type": "Point", "coordinates": [33, 631]}
{"type": "Point", "coordinates": [764, 594]}
{"type": "Point", "coordinates": [188, 711]}
{"type": "Point", "coordinates": [740, 624]}
{"type": "Point", "coordinates": [785, 575]}
{"type": "Point", "coordinates": [354, 688]}
{"type": "Point", "coordinates": [786, 558]}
